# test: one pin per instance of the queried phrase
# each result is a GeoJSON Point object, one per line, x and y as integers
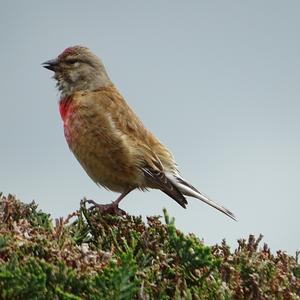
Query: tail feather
{"type": "Point", "coordinates": [189, 190]}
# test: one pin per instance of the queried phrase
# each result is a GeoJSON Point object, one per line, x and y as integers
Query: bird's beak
{"type": "Point", "coordinates": [51, 64]}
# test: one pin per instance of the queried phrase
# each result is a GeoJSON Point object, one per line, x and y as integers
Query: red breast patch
{"type": "Point", "coordinates": [64, 107]}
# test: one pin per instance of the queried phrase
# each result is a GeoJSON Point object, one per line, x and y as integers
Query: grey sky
{"type": "Point", "coordinates": [216, 81]}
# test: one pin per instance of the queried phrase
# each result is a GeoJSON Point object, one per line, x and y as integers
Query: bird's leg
{"type": "Point", "coordinates": [113, 207]}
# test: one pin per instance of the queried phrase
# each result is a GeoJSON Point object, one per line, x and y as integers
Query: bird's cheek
{"type": "Point", "coordinates": [74, 76]}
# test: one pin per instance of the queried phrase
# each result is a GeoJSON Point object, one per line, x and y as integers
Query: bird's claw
{"type": "Point", "coordinates": [112, 208]}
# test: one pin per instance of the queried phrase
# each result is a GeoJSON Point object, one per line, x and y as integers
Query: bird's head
{"type": "Point", "coordinates": [77, 69]}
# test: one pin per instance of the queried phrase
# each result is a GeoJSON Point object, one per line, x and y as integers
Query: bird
{"type": "Point", "coordinates": [108, 138]}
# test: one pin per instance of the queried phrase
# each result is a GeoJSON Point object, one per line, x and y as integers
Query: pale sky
{"type": "Point", "coordinates": [216, 81]}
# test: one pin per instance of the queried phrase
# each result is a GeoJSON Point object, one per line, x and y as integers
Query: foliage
{"type": "Point", "coordinates": [89, 255]}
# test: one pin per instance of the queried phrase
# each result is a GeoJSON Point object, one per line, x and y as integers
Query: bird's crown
{"type": "Point", "coordinates": [74, 51]}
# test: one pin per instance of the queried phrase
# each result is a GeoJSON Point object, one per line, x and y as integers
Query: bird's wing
{"type": "Point", "coordinates": [132, 130]}
{"type": "Point", "coordinates": [159, 179]}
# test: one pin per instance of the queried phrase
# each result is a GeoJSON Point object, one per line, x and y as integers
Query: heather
{"type": "Point", "coordinates": [89, 255]}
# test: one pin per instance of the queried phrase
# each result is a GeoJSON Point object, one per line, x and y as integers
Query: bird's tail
{"type": "Point", "coordinates": [188, 190]}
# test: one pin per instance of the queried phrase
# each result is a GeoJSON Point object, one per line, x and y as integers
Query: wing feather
{"type": "Point", "coordinates": [159, 179]}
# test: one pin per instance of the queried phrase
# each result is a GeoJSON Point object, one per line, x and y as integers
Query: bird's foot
{"type": "Point", "coordinates": [111, 208]}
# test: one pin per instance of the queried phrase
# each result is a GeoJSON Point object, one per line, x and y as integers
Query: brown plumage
{"type": "Point", "coordinates": [108, 138]}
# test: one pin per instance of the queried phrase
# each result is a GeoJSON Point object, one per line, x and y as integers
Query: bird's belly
{"type": "Point", "coordinates": [104, 157]}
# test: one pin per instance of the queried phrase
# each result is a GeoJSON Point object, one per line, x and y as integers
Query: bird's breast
{"type": "Point", "coordinates": [99, 146]}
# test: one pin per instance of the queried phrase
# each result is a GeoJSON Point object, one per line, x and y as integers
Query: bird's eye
{"type": "Point", "coordinates": [71, 61]}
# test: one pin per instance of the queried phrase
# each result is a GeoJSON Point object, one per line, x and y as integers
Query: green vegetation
{"type": "Point", "coordinates": [94, 256]}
